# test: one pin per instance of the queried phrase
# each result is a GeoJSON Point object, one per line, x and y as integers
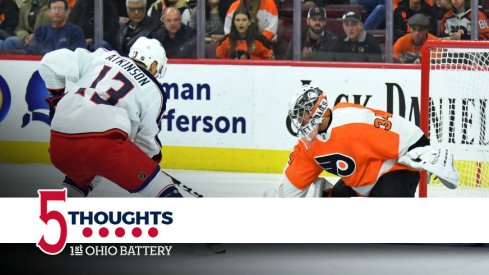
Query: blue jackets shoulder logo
{"type": "Point", "coordinates": [35, 97]}
{"type": "Point", "coordinates": [5, 99]}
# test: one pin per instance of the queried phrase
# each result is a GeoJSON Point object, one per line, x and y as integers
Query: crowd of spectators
{"type": "Point", "coordinates": [332, 30]}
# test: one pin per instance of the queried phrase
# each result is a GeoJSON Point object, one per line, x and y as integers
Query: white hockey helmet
{"type": "Point", "coordinates": [147, 50]}
{"type": "Point", "coordinates": [306, 111]}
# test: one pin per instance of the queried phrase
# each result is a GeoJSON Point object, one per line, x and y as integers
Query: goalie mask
{"type": "Point", "coordinates": [147, 51]}
{"type": "Point", "coordinates": [306, 111]}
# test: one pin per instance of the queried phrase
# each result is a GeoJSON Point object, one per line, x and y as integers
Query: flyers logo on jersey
{"type": "Point", "coordinates": [338, 164]}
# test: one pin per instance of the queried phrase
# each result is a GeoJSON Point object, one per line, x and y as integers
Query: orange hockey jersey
{"type": "Point", "coordinates": [257, 50]}
{"type": "Point", "coordinates": [360, 145]}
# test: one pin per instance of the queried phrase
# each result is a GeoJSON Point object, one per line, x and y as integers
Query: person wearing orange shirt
{"type": "Point", "coordinates": [375, 153]}
{"type": "Point", "coordinates": [264, 14]}
{"type": "Point", "coordinates": [407, 49]}
{"type": "Point", "coordinates": [244, 41]}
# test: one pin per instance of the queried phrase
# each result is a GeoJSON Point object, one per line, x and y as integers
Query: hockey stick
{"type": "Point", "coordinates": [183, 186]}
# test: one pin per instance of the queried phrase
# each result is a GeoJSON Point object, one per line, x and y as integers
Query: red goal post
{"type": "Point", "coordinates": [454, 114]}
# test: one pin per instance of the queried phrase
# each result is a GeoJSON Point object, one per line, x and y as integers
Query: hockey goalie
{"type": "Point", "coordinates": [373, 152]}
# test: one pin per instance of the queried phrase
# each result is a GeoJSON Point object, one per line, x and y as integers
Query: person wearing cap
{"type": "Point", "coordinates": [357, 45]}
{"type": "Point", "coordinates": [407, 49]}
{"type": "Point", "coordinates": [408, 8]}
{"type": "Point", "coordinates": [316, 40]}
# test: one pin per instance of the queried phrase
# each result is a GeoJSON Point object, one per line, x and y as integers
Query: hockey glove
{"type": "Point", "coordinates": [56, 96]}
{"type": "Point", "coordinates": [435, 161]}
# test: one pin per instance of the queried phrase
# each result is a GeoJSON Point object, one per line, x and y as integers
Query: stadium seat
{"type": "Point", "coordinates": [335, 25]}
{"type": "Point", "coordinates": [379, 35]}
{"type": "Point", "coordinates": [288, 12]}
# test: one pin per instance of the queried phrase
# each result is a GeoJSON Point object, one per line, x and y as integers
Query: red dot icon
{"type": "Point", "coordinates": [103, 232]}
{"type": "Point", "coordinates": [87, 232]}
{"type": "Point", "coordinates": [153, 232]}
{"type": "Point", "coordinates": [137, 232]}
{"type": "Point", "coordinates": [119, 232]}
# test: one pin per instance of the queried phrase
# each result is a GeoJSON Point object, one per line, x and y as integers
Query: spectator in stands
{"type": "Point", "coordinates": [375, 9]}
{"type": "Point", "coordinates": [58, 34]}
{"type": "Point", "coordinates": [179, 40]}
{"type": "Point", "coordinates": [396, 2]}
{"type": "Point", "coordinates": [158, 8]}
{"type": "Point", "coordinates": [357, 45]}
{"type": "Point", "coordinates": [441, 7]}
{"type": "Point", "coordinates": [32, 14]}
{"type": "Point", "coordinates": [244, 41]}
{"type": "Point", "coordinates": [457, 21]}
{"type": "Point", "coordinates": [408, 48]}
{"type": "Point", "coordinates": [83, 16]}
{"type": "Point", "coordinates": [9, 18]}
{"type": "Point", "coordinates": [215, 13]}
{"type": "Point", "coordinates": [138, 25]}
{"type": "Point", "coordinates": [408, 8]}
{"type": "Point", "coordinates": [316, 41]}
{"type": "Point", "coordinates": [264, 14]}
{"type": "Point", "coordinates": [122, 11]}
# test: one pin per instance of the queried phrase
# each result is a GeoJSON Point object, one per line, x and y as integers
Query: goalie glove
{"type": "Point", "coordinates": [435, 161]}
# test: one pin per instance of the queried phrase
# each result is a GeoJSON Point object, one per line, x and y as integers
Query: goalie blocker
{"type": "Point", "coordinates": [375, 153]}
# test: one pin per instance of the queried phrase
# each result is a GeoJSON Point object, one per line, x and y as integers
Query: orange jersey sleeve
{"type": "Point", "coordinates": [257, 51]}
{"type": "Point", "coordinates": [222, 50]}
{"type": "Point", "coordinates": [302, 169]}
{"type": "Point", "coordinates": [483, 26]}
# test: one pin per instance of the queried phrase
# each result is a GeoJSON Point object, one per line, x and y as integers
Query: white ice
{"type": "Point", "coordinates": [23, 180]}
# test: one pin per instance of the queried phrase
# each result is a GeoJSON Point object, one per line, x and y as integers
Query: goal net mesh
{"type": "Point", "coordinates": [458, 117]}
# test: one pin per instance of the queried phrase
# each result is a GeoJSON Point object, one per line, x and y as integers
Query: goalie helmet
{"type": "Point", "coordinates": [147, 51]}
{"type": "Point", "coordinates": [306, 111]}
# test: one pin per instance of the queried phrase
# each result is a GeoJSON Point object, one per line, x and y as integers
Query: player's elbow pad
{"type": "Point", "coordinates": [53, 81]}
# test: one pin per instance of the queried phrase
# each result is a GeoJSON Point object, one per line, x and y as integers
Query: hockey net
{"type": "Point", "coordinates": [454, 114]}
